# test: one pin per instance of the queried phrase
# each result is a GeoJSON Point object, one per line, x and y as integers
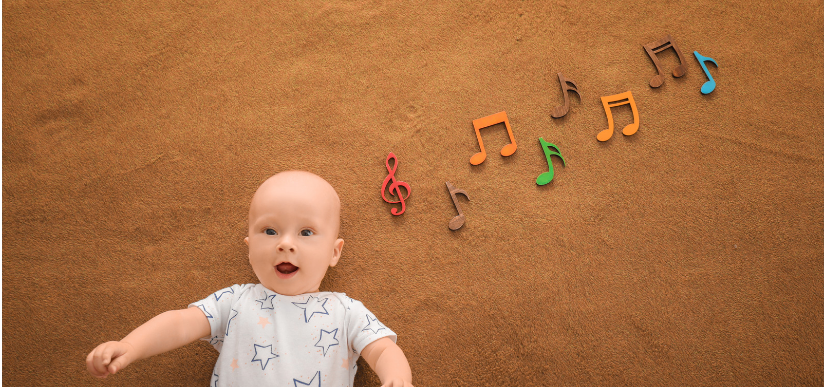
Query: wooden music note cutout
{"type": "Point", "coordinates": [457, 221]}
{"type": "Point", "coordinates": [710, 85]}
{"type": "Point", "coordinates": [560, 111]}
{"type": "Point", "coordinates": [618, 100]}
{"type": "Point", "coordinates": [547, 177]}
{"type": "Point", "coordinates": [481, 123]}
{"type": "Point", "coordinates": [395, 187]}
{"type": "Point", "coordinates": [658, 46]}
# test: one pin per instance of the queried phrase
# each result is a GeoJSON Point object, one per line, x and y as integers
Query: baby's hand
{"type": "Point", "coordinates": [397, 383]}
{"type": "Point", "coordinates": [109, 358]}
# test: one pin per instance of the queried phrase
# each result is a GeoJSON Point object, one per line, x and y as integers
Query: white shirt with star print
{"type": "Point", "coordinates": [269, 339]}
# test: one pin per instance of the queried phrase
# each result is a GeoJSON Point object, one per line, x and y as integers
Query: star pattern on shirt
{"type": "Point", "coordinates": [203, 308]}
{"type": "Point", "coordinates": [312, 306]}
{"type": "Point", "coordinates": [234, 365]}
{"type": "Point", "coordinates": [220, 293]}
{"type": "Point", "coordinates": [262, 321]}
{"type": "Point", "coordinates": [230, 321]}
{"type": "Point", "coordinates": [263, 354]}
{"type": "Point", "coordinates": [266, 302]}
{"type": "Point", "coordinates": [215, 340]}
{"type": "Point", "coordinates": [373, 327]}
{"type": "Point", "coordinates": [311, 383]}
{"type": "Point", "coordinates": [327, 340]}
{"type": "Point", "coordinates": [216, 380]}
{"type": "Point", "coordinates": [345, 363]}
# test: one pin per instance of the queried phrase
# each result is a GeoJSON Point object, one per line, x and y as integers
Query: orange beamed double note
{"type": "Point", "coordinates": [500, 117]}
{"type": "Point", "coordinates": [618, 100]}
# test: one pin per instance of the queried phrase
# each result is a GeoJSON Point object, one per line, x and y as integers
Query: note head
{"type": "Point", "coordinates": [708, 87]}
{"type": "Point", "coordinates": [630, 129]}
{"type": "Point", "coordinates": [478, 158]}
{"type": "Point", "coordinates": [457, 222]}
{"type": "Point", "coordinates": [508, 150]}
{"type": "Point", "coordinates": [679, 71]}
{"type": "Point", "coordinates": [604, 135]}
{"type": "Point", "coordinates": [559, 111]}
{"type": "Point", "coordinates": [657, 81]}
{"type": "Point", "coordinates": [544, 178]}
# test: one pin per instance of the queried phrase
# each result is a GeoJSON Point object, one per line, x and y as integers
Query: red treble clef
{"type": "Point", "coordinates": [395, 187]}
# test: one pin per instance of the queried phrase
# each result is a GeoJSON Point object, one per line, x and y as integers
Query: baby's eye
{"type": "Point", "coordinates": [270, 231]}
{"type": "Point", "coordinates": [306, 233]}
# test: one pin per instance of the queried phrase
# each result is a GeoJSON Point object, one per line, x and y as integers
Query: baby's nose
{"type": "Point", "coordinates": [286, 244]}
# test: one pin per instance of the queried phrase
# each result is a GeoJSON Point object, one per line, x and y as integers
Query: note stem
{"type": "Point", "coordinates": [479, 157]}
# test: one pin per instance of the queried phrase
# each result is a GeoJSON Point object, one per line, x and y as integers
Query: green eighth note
{"type": "Point", "coordinates": [547, 177]}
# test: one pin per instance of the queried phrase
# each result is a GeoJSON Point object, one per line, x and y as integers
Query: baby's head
{"type": "Point", "coordinates": [294, 220]}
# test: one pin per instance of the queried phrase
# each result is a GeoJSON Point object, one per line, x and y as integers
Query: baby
{"type": "Point", "coordinates": [282, 331]}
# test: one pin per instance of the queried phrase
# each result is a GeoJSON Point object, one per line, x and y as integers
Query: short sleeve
{"type": "Point", "coordinates": [364, 327]}
{"type": "Point", "coordinates": [218, 309]}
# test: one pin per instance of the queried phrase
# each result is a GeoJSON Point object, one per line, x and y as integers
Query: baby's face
{"type": "Point", "coordinates": [293, 232]}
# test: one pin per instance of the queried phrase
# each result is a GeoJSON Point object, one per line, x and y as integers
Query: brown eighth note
{"type": "Point", "coordinates": [619, 100]}
{"type": "Point", "coordinates": [458, 221]}
{"type": "Point", "coordinates": [658, 46]}
{"type": "Point", "coordinates": [498, 118]}
{"type": "Point", "coordinates": [560, 111]}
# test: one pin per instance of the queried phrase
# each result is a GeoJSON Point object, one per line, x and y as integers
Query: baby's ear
{"type": "Point", "coordinates": [246, 240]}
{"type": "Point", "coordinates": [336, 252]}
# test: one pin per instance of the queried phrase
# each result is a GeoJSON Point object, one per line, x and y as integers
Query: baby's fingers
{"type": "Point", "coordinates": [120, 359]}
{"type": "Point", "coordinates": [94, 363]}
{"type": "Point", "coordinates": [397, 383]}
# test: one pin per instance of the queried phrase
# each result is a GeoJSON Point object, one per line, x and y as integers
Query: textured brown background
{"type": "Point", "coordinates": [691, 253]}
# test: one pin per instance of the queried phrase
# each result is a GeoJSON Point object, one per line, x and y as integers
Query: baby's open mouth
{"type": "Point", "coordinates": [286, 268]}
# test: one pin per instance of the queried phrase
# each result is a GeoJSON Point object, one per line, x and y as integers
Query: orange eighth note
{"type": "Point", "coordinates": [481, 123]}
{"type": "Point", "coordinates": [618, 100]}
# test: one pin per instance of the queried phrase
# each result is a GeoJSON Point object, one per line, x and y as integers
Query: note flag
{"type": "Point", "coordinates": [653, 48]}
{"type": "Point", "coordinates": [618, 100]}
{"type": "Point", "coordinates": [547, 177]}
{"type": "Point", "coordinates": [710, 85]}
{"type": "Point", "coordinates": [481, 123]}
{"type": "Point", "coordinates": [560, 111]}
{"type": "Point", "coordinates": [457, 221]}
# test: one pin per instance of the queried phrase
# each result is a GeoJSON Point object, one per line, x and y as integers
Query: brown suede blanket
{"type": "Point", "coordinates": [688, 253]}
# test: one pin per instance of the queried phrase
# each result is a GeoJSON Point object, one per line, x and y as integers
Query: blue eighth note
{"type": "Point", "coordinates": [710, 85]}
{"type": "Point", "coordinates": [546, 177]}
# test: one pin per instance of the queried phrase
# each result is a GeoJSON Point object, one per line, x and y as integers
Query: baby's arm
{"type": "Point", "coordinates": [389, 362]}
{"type": "Point", "coordinates": [165, 332]}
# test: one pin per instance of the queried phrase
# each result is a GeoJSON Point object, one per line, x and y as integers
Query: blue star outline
{"type": "Point", "coordinates": [306, 306]}
{"type": "Point", "coordinates": [369, 326]}
{"type": "Point", "coordinates": [230, 321]}
{"type": "Point", "coordinates": [325, 346]}
{"type": "Point", "coordinates": [267, 299]}
{"type": "Point", "coordinates": [221, 292]}
{"type": "Point", "coordinates": [267, 356]}
{"type": "Point", "coordinates": [310, 383]}
{"type": "Point", "coordinates": [215, 340]}
{"type": "Point", "coordinates": [203, 308]}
